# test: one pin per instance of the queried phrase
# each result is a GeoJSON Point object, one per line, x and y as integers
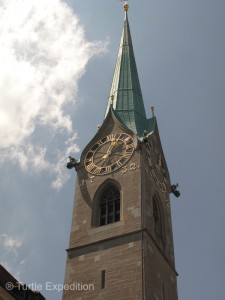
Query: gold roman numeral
{"type": "Point", "coordinates": [129, 147]}
{"type": "Point", "coordinates": [108, 169]}
{"type": "Point", "coordinates": [127, 155]}
{"type": "Point", "coordinates": [101, 142]}
{"type": "Point", "coordinates": [92, 168]}
{"type": "Point", "coordinates": [110, 137]}
{"type": "Point", "coordinates": [88, 160]}
{"type": "Point", "coordinates": [119, 163]}
{"type": "Point", "coordinates": [128, 139]}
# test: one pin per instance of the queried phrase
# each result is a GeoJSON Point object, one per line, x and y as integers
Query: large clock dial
{"type": "Point", "coordinates": [109, 154]}
{"type": "Point", "coordinates": [157, 170]}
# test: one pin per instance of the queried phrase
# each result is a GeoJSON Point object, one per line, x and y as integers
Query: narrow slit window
{"type": "Point", "coordinates": [163, 292]}
{"type": "Point", "coordinates": [102, 279]}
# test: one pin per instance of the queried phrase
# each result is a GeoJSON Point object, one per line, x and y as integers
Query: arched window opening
{"type": "Point", "coordinates": [156, 217]}
{"type": "Point", "coordinates": [109, 206]}
{"type": "Point", "coordinates": [158, 221]}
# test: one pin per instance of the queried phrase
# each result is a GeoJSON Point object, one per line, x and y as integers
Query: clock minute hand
{"type": "Point", "coordinates": [111, 147]}
{"type": "Point", "coordinates": [108, 153]}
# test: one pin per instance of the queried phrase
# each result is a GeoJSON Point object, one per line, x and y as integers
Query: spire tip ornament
{"type": "Point", "coordinates": [126, 6]}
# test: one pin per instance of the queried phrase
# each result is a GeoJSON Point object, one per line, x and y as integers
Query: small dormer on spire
{"type": "Point", "coordinates": [111, 100]}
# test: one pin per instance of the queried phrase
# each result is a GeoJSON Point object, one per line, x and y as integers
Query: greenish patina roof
{"type": "Point", "coordinates": [125, 95]}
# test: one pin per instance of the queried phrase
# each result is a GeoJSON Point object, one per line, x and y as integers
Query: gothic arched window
{"type": "Point", "coordinates": [109, 205]}
{"type": "Point", "coordinates": [158, 221]}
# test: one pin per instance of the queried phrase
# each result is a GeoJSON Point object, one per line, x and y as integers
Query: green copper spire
{"type": "Point", "coordinates": [125, 95]}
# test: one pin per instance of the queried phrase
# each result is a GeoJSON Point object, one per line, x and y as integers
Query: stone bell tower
{"type": "Point", "coordinates": [121, 244]}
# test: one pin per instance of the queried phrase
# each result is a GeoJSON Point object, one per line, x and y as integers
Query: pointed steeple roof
{"type": "Point", "coordinates": [125, 95]}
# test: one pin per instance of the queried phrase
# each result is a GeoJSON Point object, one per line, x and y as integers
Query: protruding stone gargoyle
{"type": "Point", "coordinates": [174, 190]}
{"type": "Point", "coordinates": [72, 163]}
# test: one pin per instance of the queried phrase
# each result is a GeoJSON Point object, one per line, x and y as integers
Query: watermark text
{"type": "Point", "coordinates": [51, 286]}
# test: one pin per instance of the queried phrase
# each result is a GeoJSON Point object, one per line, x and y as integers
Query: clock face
{"type": "Point", "coordinates": [109, 154]}
{"type": "Point", "coordinates": [157, 170]}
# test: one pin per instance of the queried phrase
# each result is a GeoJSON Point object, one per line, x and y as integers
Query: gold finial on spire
{"type": "Point", "coordinates": [126, 6]}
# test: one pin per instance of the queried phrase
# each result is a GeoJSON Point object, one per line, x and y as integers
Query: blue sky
{"type": "Point", "coordinates": [55, 75]}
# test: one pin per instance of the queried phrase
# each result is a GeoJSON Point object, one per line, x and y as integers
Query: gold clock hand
{"type": "Point", "coordinates": [106, 156]}
{"type": "Point", "coordinates": [111, 147]}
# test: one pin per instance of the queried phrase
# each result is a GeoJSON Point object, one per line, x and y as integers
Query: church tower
{"type": "Point", "coordinates": [121, 244]}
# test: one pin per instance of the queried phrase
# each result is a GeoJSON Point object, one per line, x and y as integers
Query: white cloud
{"type": "Point", "coordinates": [43, 53]}
{"type": "Point", "coordinates": [10, 243]}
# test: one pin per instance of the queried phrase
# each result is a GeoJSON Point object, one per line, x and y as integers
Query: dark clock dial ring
{"type": "Point", "coordinates": [109, 154]}
{"type": "Point", "coordinates": [157, 170]}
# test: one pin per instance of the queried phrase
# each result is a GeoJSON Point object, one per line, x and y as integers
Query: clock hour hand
{"type": "Point", "coordinates": [106, 156]}
{"type": "Point", "coordinates": [111, 147]}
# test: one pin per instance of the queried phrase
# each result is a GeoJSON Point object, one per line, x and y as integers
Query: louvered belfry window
{"type": "Point", "coordinates": [110, 206]}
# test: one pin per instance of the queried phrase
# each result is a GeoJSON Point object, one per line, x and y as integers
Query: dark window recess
{"type": "Point", "coordinates": [102, 279]}
{"type": "Point", "coordinates": [163, 292]}
{"type": "Point", "coordinates": [110, 206]}
{"type": "Point", "coordinates": [157, 221]}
